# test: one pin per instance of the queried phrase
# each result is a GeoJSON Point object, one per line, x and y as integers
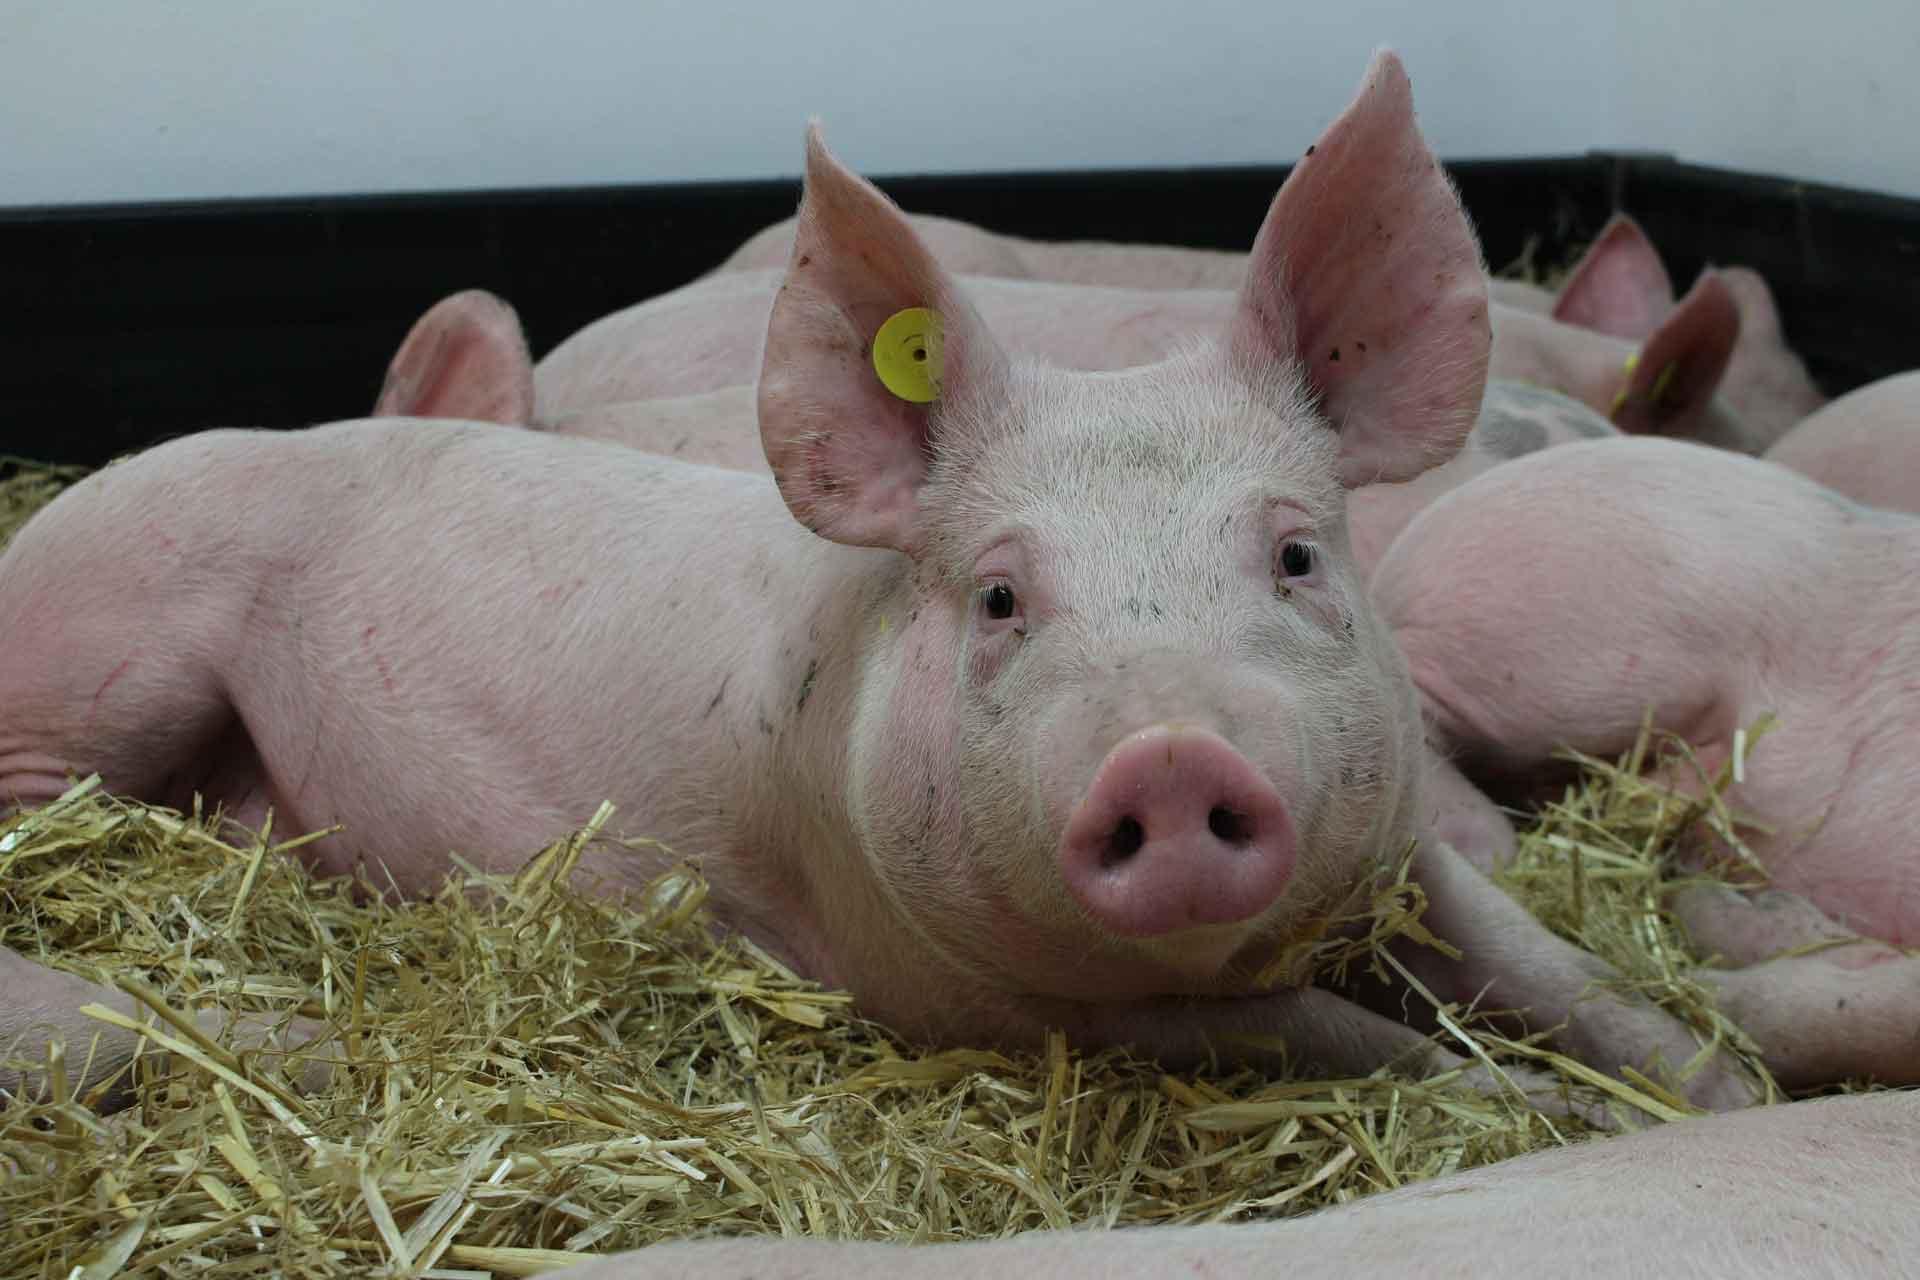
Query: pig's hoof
{"type": "Point", "coordinates": [1545, 1092]}
{"type": "Point", "coordinates": [1723, 1085]}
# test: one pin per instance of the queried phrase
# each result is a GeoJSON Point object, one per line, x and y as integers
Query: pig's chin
{"type": "Point", "coordinates": [1208, 959]}
{"type": "Point", "coordinates": [1082, 962]}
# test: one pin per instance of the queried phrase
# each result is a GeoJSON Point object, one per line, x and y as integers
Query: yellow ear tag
{"type": "Point", "coordinates": [1633, 362]}
{"type": "Point", "coordinates": [906, 354]}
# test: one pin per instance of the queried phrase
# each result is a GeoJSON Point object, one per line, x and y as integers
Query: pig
{"type": "Point", "coordinates": [1824, 1187]}
{"type": "Point", "coordinates": [1607, 578]}
{"type": "Point", "coordinates": [1051, 702]}
{"type": "Point", "coordinates": [1866, 444]}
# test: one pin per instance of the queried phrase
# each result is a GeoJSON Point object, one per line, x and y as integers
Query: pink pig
{"type": "Point", "coordinates": [1866, 444]}
{"type": "Point", "coordinates": [1553, 600]}
{"type": "Point", "coordinates": [1058, 696]}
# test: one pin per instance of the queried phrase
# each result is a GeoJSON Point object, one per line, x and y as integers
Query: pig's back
{"type": "Point", "coordinates": [1866, 445]}
{"type": "Point", "coordinates": [1550, 601]}
{"type": "Point", "coordinates": [710, 335]}
{"type": "Point", "coordinates": [568, 622]}
{"type": "Point", "coordinates": [1547, 600]}
{"type": "Point", "coordinates": [451, 636]}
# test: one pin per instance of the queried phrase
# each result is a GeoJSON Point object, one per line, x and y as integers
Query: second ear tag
{"type": "Point", "coordinates": [906, 354]}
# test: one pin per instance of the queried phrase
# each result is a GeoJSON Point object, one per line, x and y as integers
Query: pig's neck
{"type": "Point", "coordinates": [800, 884]}
{"type": "Point", "coordinates": [812, 893]}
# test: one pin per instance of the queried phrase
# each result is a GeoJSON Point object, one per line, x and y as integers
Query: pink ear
{"type": "Point", "coordinates": [1367, 275]}
{"type": "Point", "coordinates": [850, 455]}
{"type": "Point", "coordinates": [465, 358]}
{"type": "Point", "coordinates": [1619, 286]}
{"type": "Point", "coordinates": [1679, 367]}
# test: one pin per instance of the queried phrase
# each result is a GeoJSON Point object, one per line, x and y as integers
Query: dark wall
{"type": "Point", "coordinates": [128, 324]}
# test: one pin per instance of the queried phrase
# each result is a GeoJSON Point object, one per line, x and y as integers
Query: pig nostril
{"type": "Point", "coordinates": [1125, 841]}
{"type": "Point", "coordinates": [1228, 826]}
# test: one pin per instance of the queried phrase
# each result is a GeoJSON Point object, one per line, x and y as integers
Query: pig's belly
{"type": "Point", "coordinates": [1848, 841]}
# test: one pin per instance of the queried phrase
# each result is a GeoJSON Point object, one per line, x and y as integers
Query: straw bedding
{"type": "Point", "coordinates": [527, 1076]}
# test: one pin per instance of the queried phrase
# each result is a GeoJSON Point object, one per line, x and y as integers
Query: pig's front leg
{"type": "Point", "coordinates": [1319, 1029]}
{"type": "Point", "coordinates": [1457, 813]}
{"type": "Point", "coordinates": [1843, 1006]}
{"type": "Point", "coordinates": [42, 1006]}
{"type": "Point", "coordinates": [1510, 961]}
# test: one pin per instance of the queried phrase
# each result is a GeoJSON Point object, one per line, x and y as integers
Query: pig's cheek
{"type": "Point", "coordinates": [909, 767]}
{"type": "Point", "coordinates": [986, 656]}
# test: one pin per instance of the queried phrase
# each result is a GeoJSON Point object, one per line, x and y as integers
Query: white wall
{"type": "Point", "coordinates": [138, 99]}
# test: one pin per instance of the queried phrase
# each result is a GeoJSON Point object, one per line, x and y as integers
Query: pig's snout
{"type": "Point", "coordinates": [1176, 830]}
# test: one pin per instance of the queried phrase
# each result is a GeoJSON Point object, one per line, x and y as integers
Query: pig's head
{"type": "Point", "coordinates": [1127, 723]}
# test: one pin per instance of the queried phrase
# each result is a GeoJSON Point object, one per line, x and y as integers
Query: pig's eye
{"type": "Point", "coordinates": [999, 601]}
{"type": "Point", "coordinates": [1296, 559]}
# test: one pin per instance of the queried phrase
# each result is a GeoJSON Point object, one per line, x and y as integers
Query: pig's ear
{"type": "Point", "coordinates": [465, 358]}
{"type": "Point", "coordinates": [1366, 276]}
{"type": "Point", "coordinates": [849, 453]}
{"type": "Point", "coordinates": [1673, 377]}
{"type": "Point", "coordinates": [1619, 286]}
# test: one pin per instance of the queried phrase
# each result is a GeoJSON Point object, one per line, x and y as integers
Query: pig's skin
{"type": "Point", "coordinates": [969, 250]}
{"type": "Point", "coordinates": [1752, 590]}
{"type": "Point", "coordinates": [1807, 1190]}
{"type": "Point", "coordinates": [1866, 444]}
{"type": "Point", "coordinates": [1515, 420]}
{"type": "Point", "coordinates": [1767, 383]}
{"type": "Point", "coordinates": [878, 768]}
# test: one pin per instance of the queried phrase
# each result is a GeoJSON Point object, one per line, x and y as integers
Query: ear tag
{"type": "Point", "coordinates": [1626, 371]}
{"type": "Point", "coordinates": [906, 354]}
{"type": "Point", "coordinates": [1661, 383]}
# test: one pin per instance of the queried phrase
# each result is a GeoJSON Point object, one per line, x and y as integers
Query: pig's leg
{"type": "Point", "coordinates": [117, 620]}
{"type": "Point", "coordinates": [1459, 814]}
{"type": "Point", "coordinates": [1849, 1008]}
{"type": "Point", "coordinates": [1318, 1028]}
{"type": "Point", "coordinates": [42, 1006]}
{"type": "Point", "coordinates": [1511, 961]}
{"type": "Point", "coordinates": [113, 636]}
